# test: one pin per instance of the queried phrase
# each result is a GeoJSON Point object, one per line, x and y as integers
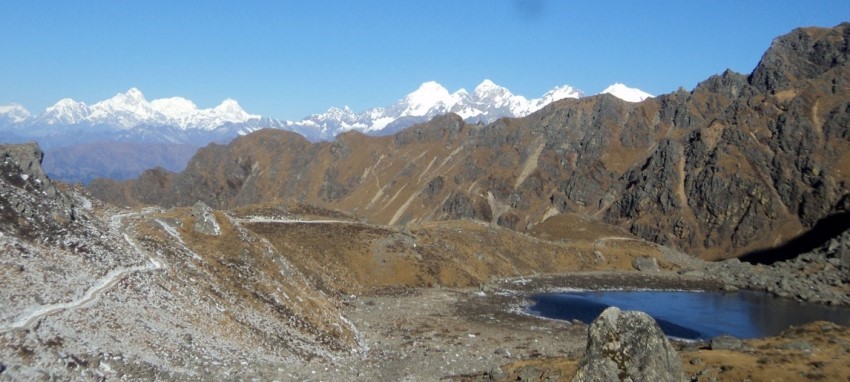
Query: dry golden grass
{"type": "Point", "coordinates": [772, 359]}
{"type": "Point", "coordinates": [357, 257]}
{"type": "Point", "coordinates": [776, 359]}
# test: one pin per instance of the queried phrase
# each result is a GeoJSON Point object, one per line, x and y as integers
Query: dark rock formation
{"type": "Point", "coordinates": [628, 346]}
{"type": "Point", "coordinates": [30, 204]}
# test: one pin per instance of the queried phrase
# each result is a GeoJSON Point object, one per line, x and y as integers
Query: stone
{"type": "Point", "coordinates": [496, 374]}
{"type": "Point", "coordinates": [645, 264]}
{"type": "Point", "coordinates": [801, 345]}
{"type": "Point", "coordinates": [628, 346]}
{"type": "Point", "coordinates": [205, 221]}
{"type": "Point", "coordinates": [726, 343]}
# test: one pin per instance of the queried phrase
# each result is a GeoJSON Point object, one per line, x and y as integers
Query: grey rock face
{"type": "Point", "coordinates": [778, 67]}
{"type": "Point", "coordinates": [205, 220]}
{"type": "Point", "coordinates": [839, 248]}
{"type": "Point", "coordinates": [29, 201]}
{"type": "Point", "coordinates": [628, 346]}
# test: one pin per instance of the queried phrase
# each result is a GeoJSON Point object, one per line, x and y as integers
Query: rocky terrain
{"type": "Point", "coordinates": [739, 164]}
{"type": "Point", "coordinates": [91, 292]}
{"type": "Point", "coordinates": [292, 291]}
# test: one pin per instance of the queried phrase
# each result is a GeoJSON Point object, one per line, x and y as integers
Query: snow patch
{"type": "Point", "coordinates": [626, 93]}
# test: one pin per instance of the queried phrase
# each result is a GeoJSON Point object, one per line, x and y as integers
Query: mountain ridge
{"type": "Point", "coordinates": [128, 126]}
{"type": "Point", "coordinates": [738, 164]}
{"type": "Point", "coordinates": [131, 110]}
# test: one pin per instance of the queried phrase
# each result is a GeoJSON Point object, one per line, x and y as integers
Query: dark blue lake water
{"type": "Point", "coordinates": [693, 315]}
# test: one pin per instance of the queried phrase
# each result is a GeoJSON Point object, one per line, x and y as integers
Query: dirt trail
{"type": "Point", "coordinates": [33, 314]}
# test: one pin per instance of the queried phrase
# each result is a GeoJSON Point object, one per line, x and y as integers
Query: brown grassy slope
{"type": "Point", "coordinates": [738, 164]}
{"type": "Point", "coordinates": [355, 257]}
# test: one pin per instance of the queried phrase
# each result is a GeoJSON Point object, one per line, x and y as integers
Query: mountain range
{"type": "Point", "coordinates": [128, 129]}
{"type": "Point", "coordinates": [739, 164]}
{"type": "Point", "coordinates": [131, 117]}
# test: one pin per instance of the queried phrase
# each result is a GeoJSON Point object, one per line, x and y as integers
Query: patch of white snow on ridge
{"type": "Point", "coordinates": [175, 107]}
{"type": "Point", "coordinates": [626, 93]}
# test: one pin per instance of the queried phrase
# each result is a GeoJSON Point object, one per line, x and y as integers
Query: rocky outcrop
{"type": "Point", "coordinates": [821, 276]}
{"type": "Point", "coordinates": [802, 54]}
{"type": "Point", "coordinates": [645, 264]}
{"type": "Point", "coordinates": [205, 221]}
{"type": "Point", "coordinates": [29, 202]}
{"type": "Point", "coordinates": [628, 346]}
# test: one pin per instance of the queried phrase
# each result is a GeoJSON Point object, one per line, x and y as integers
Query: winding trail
{"type": "Point", "coordinates": [266, 219]}
{"type": "Point", "coordinates": [33, 314]}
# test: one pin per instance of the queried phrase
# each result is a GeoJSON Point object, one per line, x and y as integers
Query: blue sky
{"type": "Point", "coordinates": [287, 59]}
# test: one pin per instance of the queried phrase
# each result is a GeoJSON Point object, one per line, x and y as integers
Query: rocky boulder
{"type": "Point", "coordinates": [645, 264]}
{"type": "Point", "coordinates": [205, 219]}
{"type": "Point", "coordinates": [628, 346]}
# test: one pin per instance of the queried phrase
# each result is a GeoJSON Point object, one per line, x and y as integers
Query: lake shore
{"type": "Point", "coordinates": [482, 334]}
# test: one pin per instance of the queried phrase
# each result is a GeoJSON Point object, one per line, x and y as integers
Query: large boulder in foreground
{"type": "Point", "coordinates": [628, 346]}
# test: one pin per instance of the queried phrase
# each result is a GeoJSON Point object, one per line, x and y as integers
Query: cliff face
{"type": "Point", "coordinates": [738, 164]}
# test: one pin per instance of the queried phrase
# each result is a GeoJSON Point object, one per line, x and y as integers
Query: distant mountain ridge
{"type": "Point", "coordinates": [130, 117]}
{"type": "Point", "coordinates": [128, 128]}
{"type": "Point", "coordinates": [487, 103]}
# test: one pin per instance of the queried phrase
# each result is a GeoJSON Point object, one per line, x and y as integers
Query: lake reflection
{"type": "Point", "coordinates": [693, 315]}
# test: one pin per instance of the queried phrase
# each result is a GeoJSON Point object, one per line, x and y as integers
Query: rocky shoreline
{"type": "Point", "coordinates": [820, 276]}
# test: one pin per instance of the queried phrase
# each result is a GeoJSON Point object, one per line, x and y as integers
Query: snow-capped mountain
{"type": "Point", "coordinates": [130, 125]}
{"type": "Point", "coordinates": [129, 110]}
{"type": "Point", "coordinates": [13, 114]}
{"type": "Point", "coordinates": [487, 103]}
{"type": "Point", "coordinates": [626, 93]}
{"type": "Point", "coordinates": [130, 117]}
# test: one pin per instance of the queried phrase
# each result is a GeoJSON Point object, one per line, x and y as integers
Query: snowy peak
{"type": "Point", "coordinates": [559, 93]}
{"type": "Point", "coordinates": [131, 109]}
{"type": "Point", "coordinates": [626, 93]}
{"type": "Point", "coordinates": [14, 113]}
{"type": "Point", "coordinates": [66, 111]}
{"type": "Point", "coordinates": [489, 90]}
{"type": "Point", "coordinates": [487, 103]}
{"type": "Point", "coordinates": [126, 110]}
{"type": "Point", "coordinates": [175, 108]}
{"type": "Point", "coordinates": [430, 96]}
{"type": "Point", "coordinates": [230, 111]}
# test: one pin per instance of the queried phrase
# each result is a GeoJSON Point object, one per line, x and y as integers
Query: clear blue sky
{"type": "Point", "coordinates": [287, 59]}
